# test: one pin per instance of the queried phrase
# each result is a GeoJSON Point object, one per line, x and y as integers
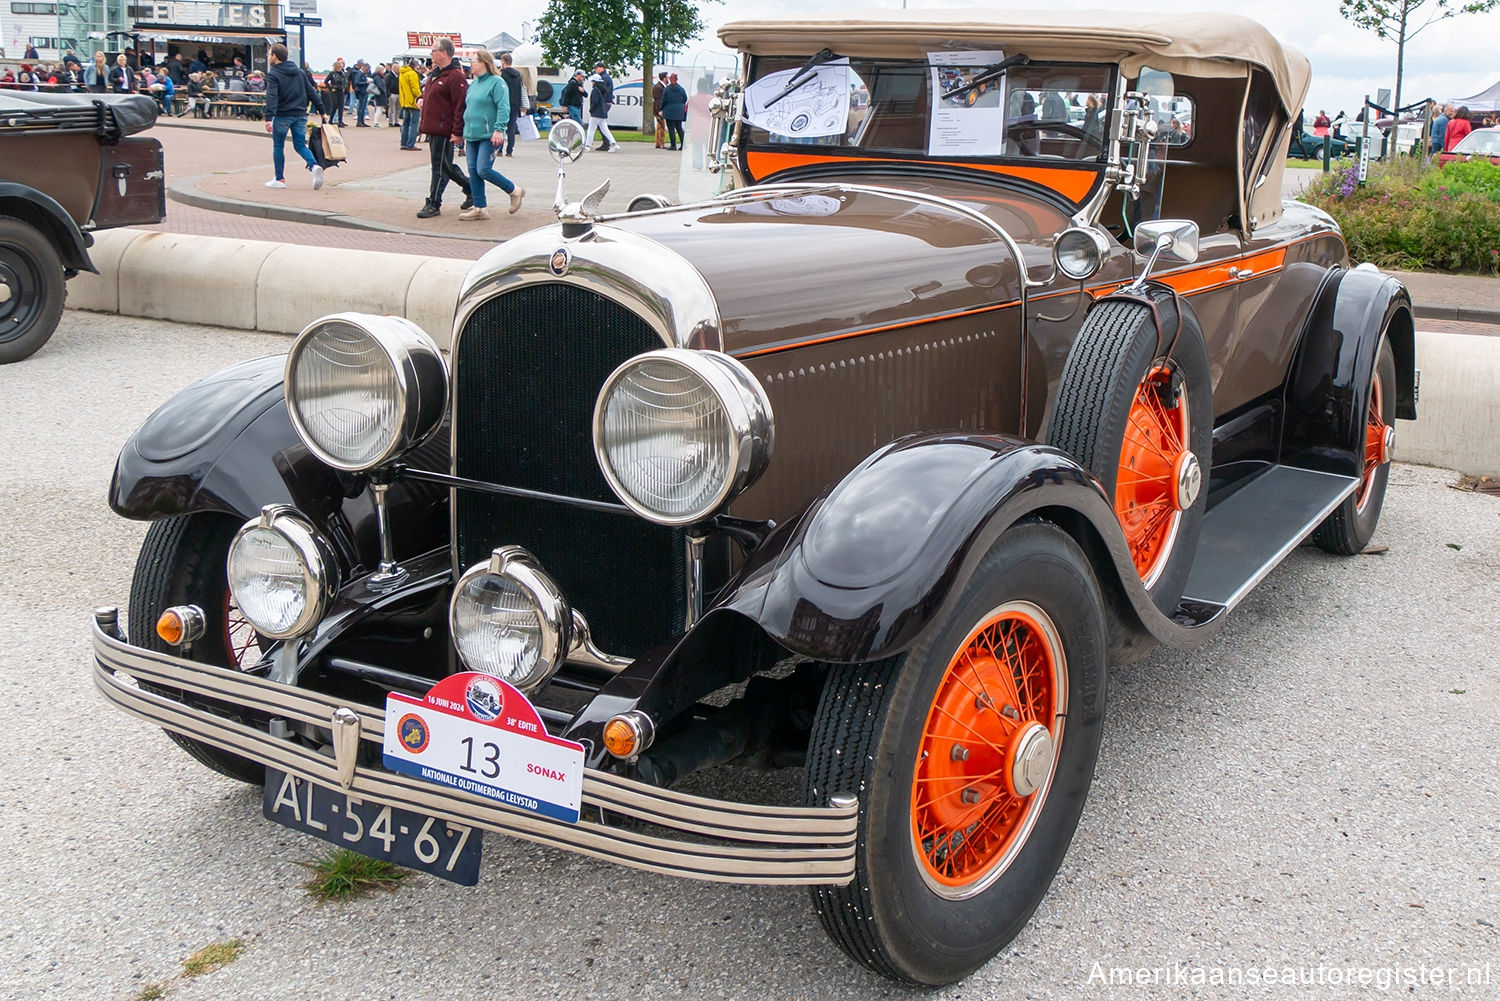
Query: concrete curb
{"type": "Point", "coordinates": [186, 191]}
{"type": "Point", "coordinates": [256, 285]}
{"type": "Point", "coordinates": [280, 288]}
{"type": "Point", "coordinates": [1468, 314]}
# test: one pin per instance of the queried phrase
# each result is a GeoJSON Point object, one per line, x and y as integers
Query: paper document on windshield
{"type": "Point", "coordinates": [972, 123]}
{"type": "Point", "coordinates": [818, 107]}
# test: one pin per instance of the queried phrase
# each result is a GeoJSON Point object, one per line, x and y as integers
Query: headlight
{"type": "Point", "coordinates": [280, 573]}
{"type": "Point", "coordinates": [509, 619]}
{"type": "Point", "coordinates": [679, 433]}
{"type": "Point", "coordinates": [1080, 252]}
{"type": "Point", "coordinates": [362, 390]}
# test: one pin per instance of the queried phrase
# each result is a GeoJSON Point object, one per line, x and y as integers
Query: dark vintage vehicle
{"type": "Point", "coordinates": [1309, 146]}
{"type": "Point", "coordinates": [70, 164]}
{"type": "Point", "coordinates": [868, 466]}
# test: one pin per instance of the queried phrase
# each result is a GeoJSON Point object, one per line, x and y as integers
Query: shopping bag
{"type": "Point", "coordinates": [526, 128]}
{"type": "Point", "coordinates": [333, 144]}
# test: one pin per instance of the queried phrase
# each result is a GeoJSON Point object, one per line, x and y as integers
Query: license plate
{"type": "Point", "coordinates": [412, 840]}
{"type": "Point", "coordinates": [476, 733]}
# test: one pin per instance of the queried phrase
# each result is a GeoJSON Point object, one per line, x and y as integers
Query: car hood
{"type": "Point", "coordinates": [790, 269]}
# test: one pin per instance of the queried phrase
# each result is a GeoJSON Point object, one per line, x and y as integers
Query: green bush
{"type": "Point", "coordinates": [1407, 216]}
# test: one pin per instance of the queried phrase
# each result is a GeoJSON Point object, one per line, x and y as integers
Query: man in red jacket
{"type": "Point", "coordinates": [442, 122]}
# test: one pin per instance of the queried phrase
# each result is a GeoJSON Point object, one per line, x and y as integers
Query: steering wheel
{"type": "Point", "coordinates": [1016, 130]}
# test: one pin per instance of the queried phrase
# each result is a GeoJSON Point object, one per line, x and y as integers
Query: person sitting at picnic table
{"type": "Point", "coordinates": [166, 93]}
{"type": "Point", "coordinates": [196, 102]}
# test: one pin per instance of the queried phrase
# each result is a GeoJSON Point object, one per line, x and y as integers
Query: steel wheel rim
{"type": "Point", "coordinates": [23, 301]}
{"type": "Point", "coordinates": [961, 847]}
{"type": "Point", "coordinates": [1145, 502]}
{"type": "Point", "coordinates": [1375, 443]}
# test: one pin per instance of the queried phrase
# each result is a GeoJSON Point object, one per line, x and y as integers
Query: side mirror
{"type": "Point", "coordinates": [565, 140]}
{"type": "Point", "coordinates": [1174, 239]}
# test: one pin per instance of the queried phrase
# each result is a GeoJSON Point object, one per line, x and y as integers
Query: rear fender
{"type": "Point", "coordinates": [226, 444]}
{"type": "Point", "coordinates": [42, 211]}
{"type": "Point", "coordinates": [1331, 373]}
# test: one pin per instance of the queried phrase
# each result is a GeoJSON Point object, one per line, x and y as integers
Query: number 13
{"type": "Point", "coordinates": [491, 758]}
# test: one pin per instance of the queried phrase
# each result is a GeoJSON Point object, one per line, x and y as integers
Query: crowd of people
{"type": "Point", "coordinates": [1449, 125]}
{"type": "Point", "coordinates": [179, 85]}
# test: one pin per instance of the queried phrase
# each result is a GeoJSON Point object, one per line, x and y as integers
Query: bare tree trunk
{"type": "Point", "coordinates": [1400, 60]}
{"type": "Point", "coordinates": [648, 71]}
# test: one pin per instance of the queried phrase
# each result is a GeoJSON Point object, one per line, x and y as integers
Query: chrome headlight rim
{"type": "Point", "coordinates": [554, 616]}
{"type": "Point", "coordinates": [421, 376]}
{"type": "Point", "coordinates": [319, 580]}
{"type": "Point", "coordinates": [745, 405]}
{"type": "Point", "coordinates": [1097, 244]}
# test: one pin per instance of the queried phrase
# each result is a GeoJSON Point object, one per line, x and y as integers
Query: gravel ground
{"type": "Point", "coordinates": [1317, 787]}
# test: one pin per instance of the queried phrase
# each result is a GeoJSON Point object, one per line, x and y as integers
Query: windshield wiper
{"type": "Point", "coordinates": [804, 74]}
{"type": "Point", "coordinates": [990, 73]}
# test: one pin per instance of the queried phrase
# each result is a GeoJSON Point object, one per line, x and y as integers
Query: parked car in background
{"type": "Point", "coordinates": [70, 164]}
{"type": "Point", "coordinates": [1479, 143]}
{"type": "Point", "coordinates": [870, 467]}
{"type": "Point", "coordinates": [1310, 147]}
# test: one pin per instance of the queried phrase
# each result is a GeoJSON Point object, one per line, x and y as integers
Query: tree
{"type": "Point", "coordinates": [620, 33]}
{"type": "Point", "coordinates": [1394, 19]}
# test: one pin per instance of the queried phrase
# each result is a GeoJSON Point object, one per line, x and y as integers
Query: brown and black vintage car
{"type": "Point", "coordinates": [70, 164]}
{"type": "Point", "coordinates": [867, 467]}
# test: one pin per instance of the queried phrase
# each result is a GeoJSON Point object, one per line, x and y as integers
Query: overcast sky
{"type": "Point", "coordinates": [1454, 58]}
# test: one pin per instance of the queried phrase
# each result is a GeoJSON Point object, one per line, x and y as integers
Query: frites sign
{"type": "Point", "coordinates": [427, 39]}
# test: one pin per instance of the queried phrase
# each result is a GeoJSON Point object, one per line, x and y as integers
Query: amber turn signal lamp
{"type": "Point", "coordinates": [628, 734]}
{"type": "Point", "coordinates": [180, 625]}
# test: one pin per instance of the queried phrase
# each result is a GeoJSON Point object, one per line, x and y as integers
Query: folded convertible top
{"type": "Point", "coordinates": [111, 116]}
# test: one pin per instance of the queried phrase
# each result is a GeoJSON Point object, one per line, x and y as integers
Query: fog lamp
{"type": "Point", "coordinates": [281, 573]}
{"type": "Point", "coordinates": [510, 620]}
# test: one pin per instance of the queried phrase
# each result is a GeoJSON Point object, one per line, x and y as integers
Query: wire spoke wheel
{"type": "Point", "coordinates": [988, 749]}
{"type": "Point", "coordinates": [1379, 437]}
{"type": "Point", "coordinates": [1153, 455]}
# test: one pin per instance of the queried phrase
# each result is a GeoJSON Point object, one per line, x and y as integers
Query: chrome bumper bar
{"type": "Point", "coordinates": [756, 844]}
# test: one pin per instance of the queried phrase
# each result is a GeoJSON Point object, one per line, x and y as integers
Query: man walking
{"type": "Point", "coordinates": [572, 97]}
{"type": "Point", "coordinates": [409, 93]}
{"type": "Point", "coordinates": [359, 83]}
{"type": "Point", "coordinates": [442, 123]}
{"type": "Point", "coordinates": [287, 98]}
{"type": "Point", "coordinates": [601, 99]}
{"type": "Point", "coordinates": [511, 77]}
{"type": "Point", "coordinates": [392, 97]}
{"type": "Point", "coordinates": [674, 106]}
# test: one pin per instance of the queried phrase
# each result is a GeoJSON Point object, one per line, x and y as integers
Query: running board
{"type": "Point", "coordinates": [1248, 533]}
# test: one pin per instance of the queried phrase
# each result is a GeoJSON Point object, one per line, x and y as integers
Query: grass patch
{"type": "Point", "coordinates": [1407, 216]}
{"type": "Point", "coordinates": [151, 992]}
{"type": "Point", "coordinates": [212, 957]}
{"type": "Point", "coordinates": [342, 874]}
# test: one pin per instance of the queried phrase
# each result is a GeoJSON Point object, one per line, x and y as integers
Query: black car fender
{"type": "Point", "coordinates": [1330, 374]}
{"type": "Point", "coordinates": [877, 560]}
{"type": "Point", "coordinates": [41, 210]}
{"type": "Point", "coordinates": [226, 444]}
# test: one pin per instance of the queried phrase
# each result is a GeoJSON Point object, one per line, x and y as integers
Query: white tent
{"type": "Point", "coordinates": [1486, 100]}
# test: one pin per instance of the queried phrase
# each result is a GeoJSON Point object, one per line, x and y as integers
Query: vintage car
{"type": "Point", "coordinates": [1482, 143]}
{"type": "Point", "coordinates": [70, 164]}
{"type": "Point", "coordinates": [868, 466]}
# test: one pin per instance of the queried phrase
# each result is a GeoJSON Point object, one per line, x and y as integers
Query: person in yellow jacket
{"type": "Point", "coordinates": [410, 86]}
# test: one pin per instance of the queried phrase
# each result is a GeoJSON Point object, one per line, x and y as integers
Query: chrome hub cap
{"type": "Point", "coordinates": [5, 292]}
{"type": "Point", "coordinates": [1188, 476]}
{"type": "Point", "coordinates": [1387, 444]}
{"type": "Point", "coordinates": [1030, 760]}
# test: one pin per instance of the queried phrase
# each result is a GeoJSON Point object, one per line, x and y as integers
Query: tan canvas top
{"type": "Point", "coordinates": [1206, 44]}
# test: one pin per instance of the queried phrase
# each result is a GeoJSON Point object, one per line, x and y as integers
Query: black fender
{"type": "Point", "coordinates": [1329, 381]}
{"type": "Point", "coordinates": [41, 210]}
{"type": "Point", "coordinates": [226, 444]}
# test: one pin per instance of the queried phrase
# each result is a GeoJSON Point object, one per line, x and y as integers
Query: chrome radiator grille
{"type": "Point", "coordinates": [527, 370]}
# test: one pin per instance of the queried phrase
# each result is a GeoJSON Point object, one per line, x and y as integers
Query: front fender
{"type": "Point", "coordinates": [871, 565]}
{"type": "Point", "coordinates": [42, 211]}
{"type": "Point", "coordinates": [1330, 377]}
{"type": "Point", "coordinates": [226, 444]}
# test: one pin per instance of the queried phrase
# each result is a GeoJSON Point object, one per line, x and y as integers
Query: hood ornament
{"type": "Point", "coordinates": [565, 140]}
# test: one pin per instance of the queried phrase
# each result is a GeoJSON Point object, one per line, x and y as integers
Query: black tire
{"type": "Point", "coordinates": [866, 737]}
{"type": "Point", "coordinates": [33, 288]}
{"type": "Point", "coordinates": [1351, 526]}
{"type": "Point", "coordinates": [182, 562]}
{"type": "Point", "coordinates": [1113, 354]}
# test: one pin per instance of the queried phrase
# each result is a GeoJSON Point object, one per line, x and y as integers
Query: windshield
{"type": "Point", "coordinates": [943, 106]}
{"type": "Point", "coordinates": [1483, 141]}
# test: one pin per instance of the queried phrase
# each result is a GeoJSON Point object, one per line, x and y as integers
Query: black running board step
{"type": "Point", "coordinates": [1248, 533]}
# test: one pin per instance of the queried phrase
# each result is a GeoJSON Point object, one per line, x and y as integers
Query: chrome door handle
{"type": "Point", "coordinates": [1241, 272]}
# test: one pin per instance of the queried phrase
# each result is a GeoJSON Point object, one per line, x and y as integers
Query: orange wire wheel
{"type": "Point", "coordinates": [1379, 441]}
{"type": "Point", "coordinates": [1159, 476]}
{"type": "Point", "coordinates": [988, 750]}
{"type": "Point", "coordinates": [240, 638]}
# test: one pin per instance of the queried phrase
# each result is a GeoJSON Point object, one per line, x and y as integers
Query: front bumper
{"type": "Point", "coordinates": [741, 843]}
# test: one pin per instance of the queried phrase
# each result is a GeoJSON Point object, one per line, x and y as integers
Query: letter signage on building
{"type": "Point", "coordinates": [427, 39]}
{"type": "Point", "coordinates": [217, 15]}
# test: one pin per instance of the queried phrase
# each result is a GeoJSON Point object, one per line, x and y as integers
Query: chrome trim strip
{"type": "Point", "coordinates": [778, 844]}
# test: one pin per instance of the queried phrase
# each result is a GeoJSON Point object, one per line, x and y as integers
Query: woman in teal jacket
{"type": "Point", "coordinates": [486, 112]}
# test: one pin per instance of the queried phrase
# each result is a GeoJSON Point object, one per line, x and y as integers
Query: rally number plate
{"type": "Point", "coordinates": [413, 840]}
